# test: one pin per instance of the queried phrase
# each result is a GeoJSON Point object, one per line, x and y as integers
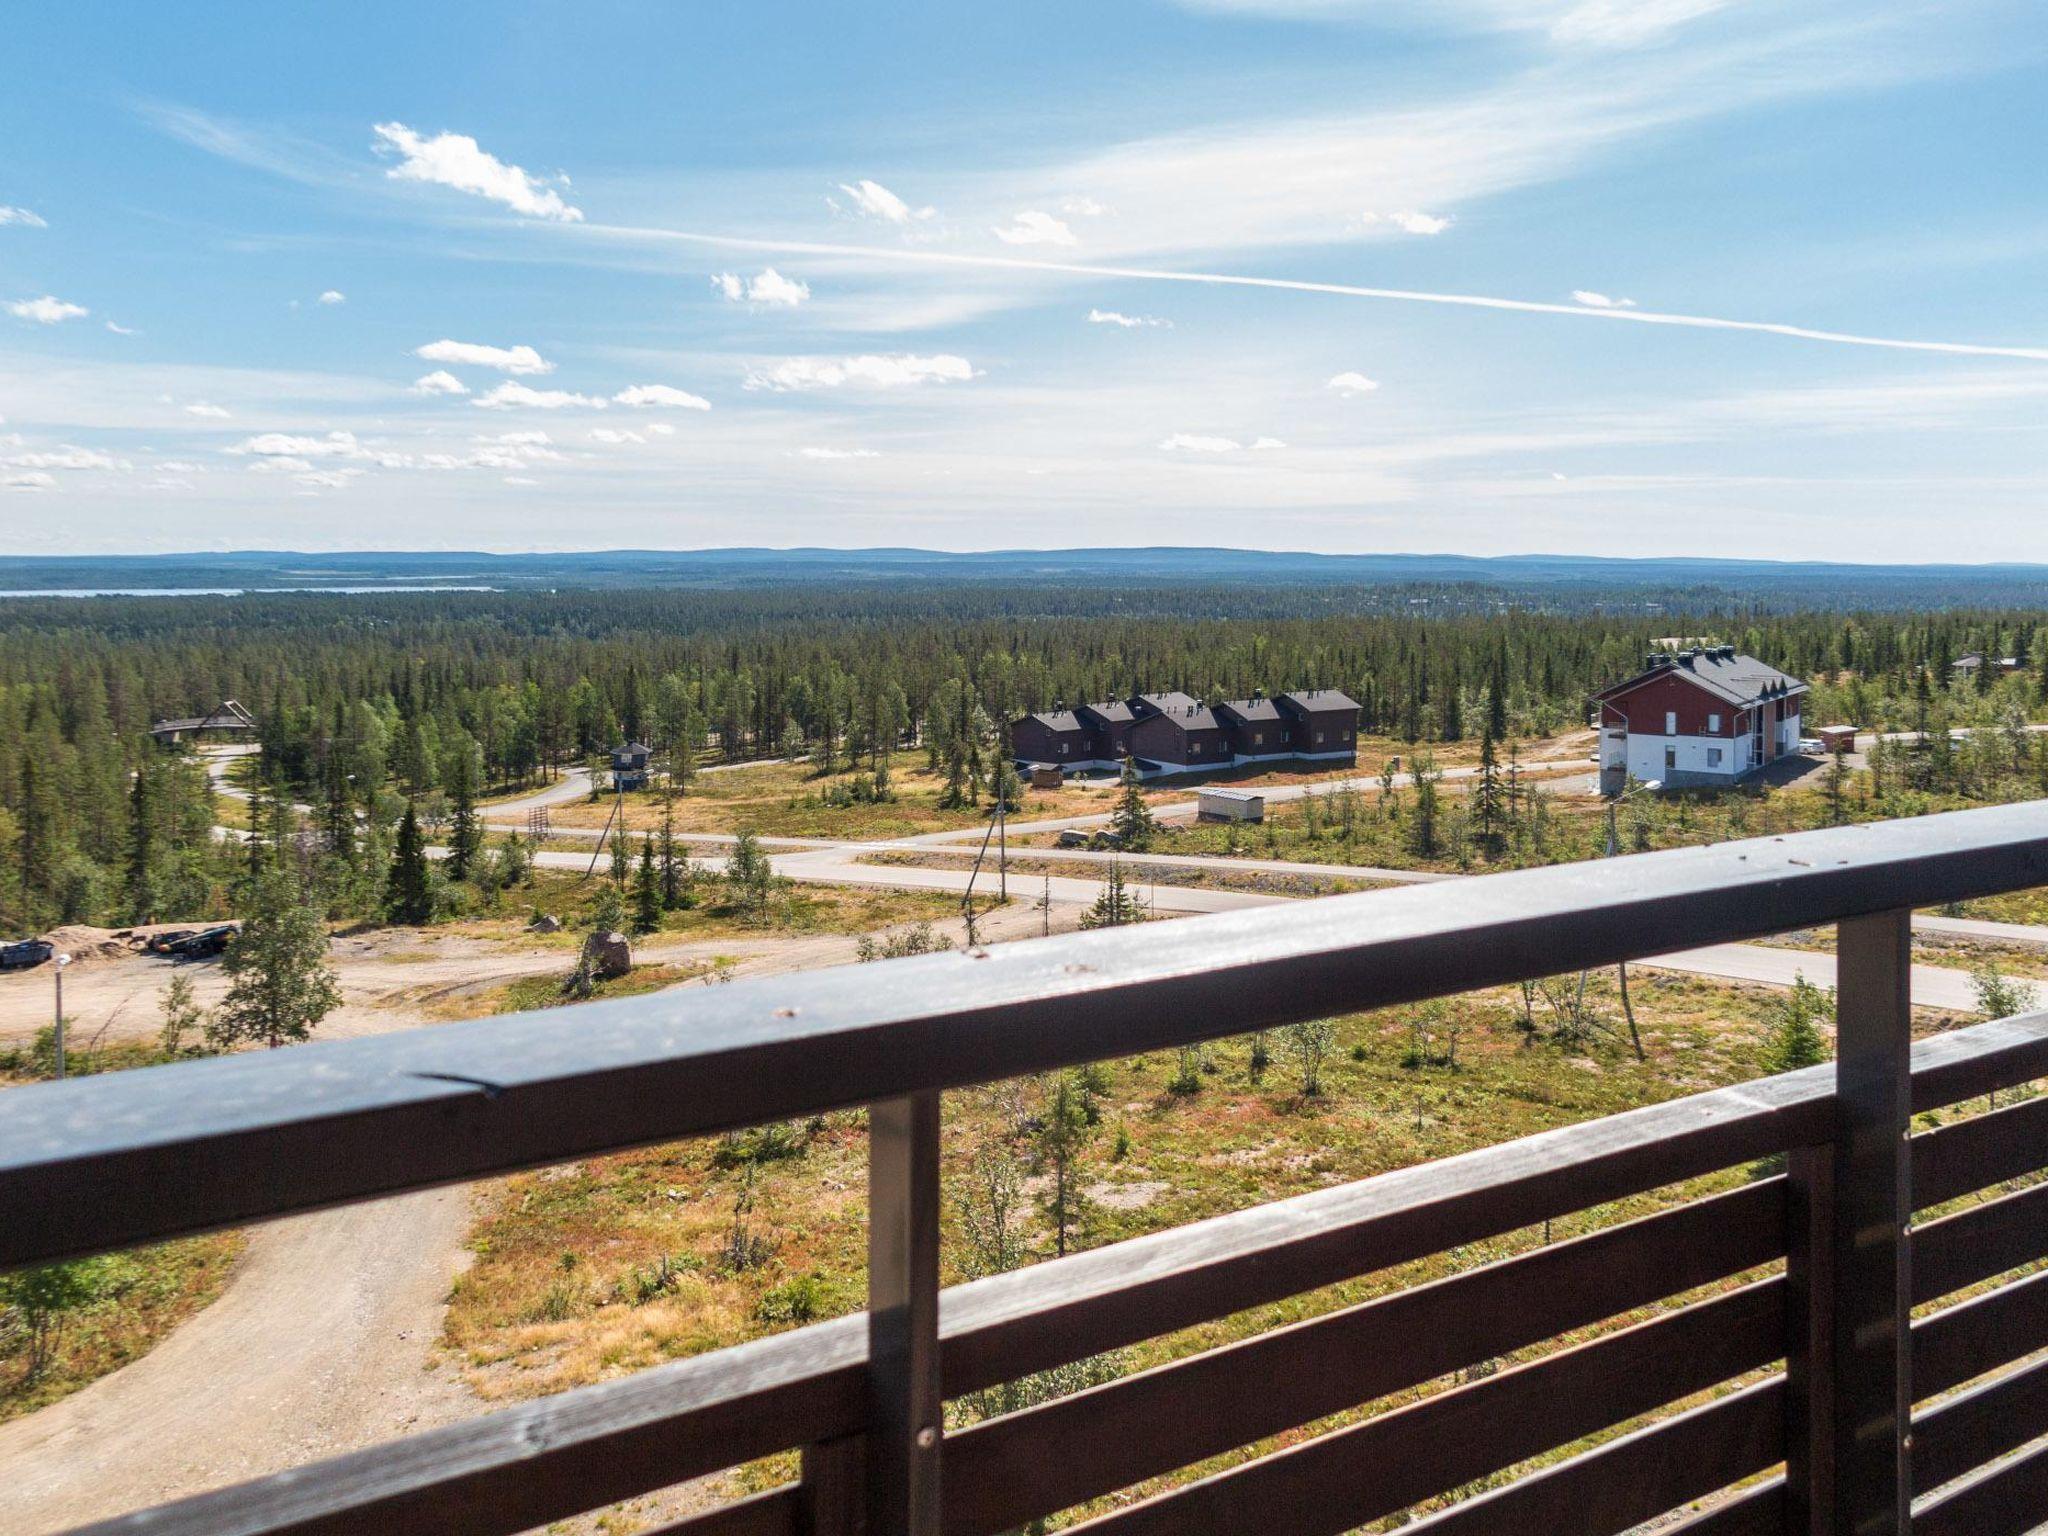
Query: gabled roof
{"type": "Point", "coordinates": [1249, 710]}
{"type": "Point", "coordinates": [1114, 711]}
{"type": "Point", "coordinates": [1723, 672]}
{"type": "Point", "coordinates": [1183, 711]}
{"type": "Point", "coordinates": [1320, 700]}
{"type": "Point", "coordinates": [633, 749]}
{"type": "Point", "coordinates": [1058, 719]}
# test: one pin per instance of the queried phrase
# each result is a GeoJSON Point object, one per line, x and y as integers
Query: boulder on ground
{"type": "Point", "coordinates": [608, 954]}
{"type": "Point", "coordinates": [545, 922]}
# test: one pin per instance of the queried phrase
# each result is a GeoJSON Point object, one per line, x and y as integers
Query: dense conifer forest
{"type": "Point", "coordinates": [368, 701]}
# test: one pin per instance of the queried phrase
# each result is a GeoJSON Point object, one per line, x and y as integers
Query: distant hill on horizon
{"type": "Point", "coordinates": [1537, 577]}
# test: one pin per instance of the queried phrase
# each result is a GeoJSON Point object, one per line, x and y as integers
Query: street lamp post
{"type": "Point", "coordinates": [58, 1031]}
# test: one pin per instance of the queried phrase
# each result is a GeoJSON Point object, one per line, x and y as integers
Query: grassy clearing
{"type": "Point", "coordinates": [129, 1303]}
{"type": "Point", "coordinates": [1220, 878]}
{"type": "Point", "coordinates": [804, 909]}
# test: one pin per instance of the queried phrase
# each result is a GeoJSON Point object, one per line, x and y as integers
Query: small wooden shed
{"type": "Point", "coordinates": [1230, 805]}
{"type": "Point", "coordinates": [1837, 739]}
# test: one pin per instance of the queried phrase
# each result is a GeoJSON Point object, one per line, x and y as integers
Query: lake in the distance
{"type": "Point", "coordinates": [213, 591]}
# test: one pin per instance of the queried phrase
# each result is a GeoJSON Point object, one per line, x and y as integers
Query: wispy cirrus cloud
{"type": "Point", "coordinates": [457, 161]}
{"type": "Point", "coordinates": [1126, 322]}
{"type": "Point", "coordinates": [872, 200]}
{"type": "Point", "coordinates": [26, 217]}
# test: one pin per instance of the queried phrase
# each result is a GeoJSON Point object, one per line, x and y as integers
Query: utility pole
{"type": "Point", "coordinates": [58, 1031]}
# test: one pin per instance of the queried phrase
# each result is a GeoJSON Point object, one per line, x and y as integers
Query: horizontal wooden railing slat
{"type": "Point", "coordinates": [123, 1158]}
{"type": "Point", "coordinates": [1755, 1511]}
{"type": "Point", "coordinates": [1001, 1473]}
{"type": "Point", "coordinates": [1387, 1463]}
{"type": "Point", "coordinates": [1634, 1478]}
{"type": "Point", "coordinates": [778, 1512]}
{"type": "Point", "coordinates": [1978, 1242]}
{"type": "Point", "coordinates": [1973, 1154]}
{"type": "Point", "coordinates": [1966, 1431]}
{"type": "Point", "coordinates": [2007, 1500]}
{"type": "Point", "coordinates": [1962, 1342]}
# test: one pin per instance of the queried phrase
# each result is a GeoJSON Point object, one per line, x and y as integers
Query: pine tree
{"type": "Point", "coordinates": [647, 891]}
{"type": "Point", "coordinates": [466, 834]}
{"type": "Point", "coordinates": [1794, 1039]}
{"type": "Point", "coordinates": [1132, 819]}
{"type": "Point", "coordinates": [408, 894]}
{"type": "Point", "coordinates": [622, 857]}
{"type": "Point", "coordinates": [675, 865]}
{"type": "Point", "coordinates": [280, 985]}
{"type": "Point", "coordinates": [1064, 1130]}
{"type": "Point", "coordinates": [1488, 809]}
{"type": "Point", "coordinates": [1116, 905]}
{"type": "Point", "coordinates": [138, 894]}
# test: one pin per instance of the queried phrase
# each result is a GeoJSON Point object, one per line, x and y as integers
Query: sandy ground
{"type": "Point", "coordinates": [325, 1339]}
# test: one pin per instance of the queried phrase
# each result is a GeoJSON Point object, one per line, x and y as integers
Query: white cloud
{"type": "Point", "coordinates": [1592, 300]}
{"type": "Point", "coordinates": [29, 480]}
{"type": "Point", "coordinates": [609, 435]}
{"type": "Point", "coordinates": [510, 396]}
{"type": "Point", "coordinates": [281, 464]}
{"type": "Point", "coordinates": [1349, 384]}
{"type": "Point", "coordinates": [1262, 444]}
{"type": "Point", "coordinates": [874, 201]}
{"type": "Point", "coordinates": [66, 457]}
{"type": "Point", "coordinates": [23, 216]}
{"type": "Point", "coordinates": [439, 382]}
{"type": "Point", "coordinates": [1031, 227]}
{"type": "Point", "coordinates": [209, 410]}
{"type": "Point", "coordinates": [47, 310]}
{"type": "Point", "coordinates": [122, 330]}
{"type": "Point", "coordinates": [1408, 221]}
{"type": "Point", "coordinates": [839, 453]}
{"type": "Point", "coordinates": [520, 480]}
{"type": "Point", "coordinates": [767, 287]}
{"type": "Point", "coordinates": [333, 296]}
{"type": "Point", "coordinates": [1128, 322]}
{"type": "Point", "coordinates": [534, 438]}
{"type": "Point", "coordinates": [335, 445]}
{"type": "Point", "coordinates": [455, 160]}
{"type": "Point", "coordinates": [1191, 442]}
{"type": "Point", "coordinates": [181, 467]}
{"type": "Point", "coordinates": [521, 360]}
{"type": "Point", "coordinates": [885, 372]}
{"type": "Point", "coordinates": [1083, 207]}
{"type": "Point", "coordinates": [660, 394]}
{"type": "Point", "coordinates": [661, 429]}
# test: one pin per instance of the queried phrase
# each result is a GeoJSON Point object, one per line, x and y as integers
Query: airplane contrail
{"type": "Point", "coordinates": [1298, 285]}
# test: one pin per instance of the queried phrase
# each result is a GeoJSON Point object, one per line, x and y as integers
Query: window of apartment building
{"type": "Point", "coordinates": [1670, 722]}
{"type": "Point", "coordinates": [1063, 749]}
{"type": "Point", "coordinates": [1671, 759]}
{"type": "Point", "coordinates": [1713, 757]}
{"type": "Point", "coordinates": [1714, 724]}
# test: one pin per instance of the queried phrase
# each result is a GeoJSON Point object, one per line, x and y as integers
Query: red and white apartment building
{"type": "Point", "coordinates": [1697, 717]}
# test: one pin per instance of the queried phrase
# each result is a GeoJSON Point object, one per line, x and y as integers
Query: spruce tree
{"type": "Point", "coordinates": [1488, 810]}
{"type": "Point", "coordinates": [647, 891]}
{"type": "Point", "coordinates": [1132, 819]}
{"type": "Point", "coordinates": [466, 834]}
{"type": "Point", "coordinates": [408, 894]}
{"type": "Point", "coordinates": [139, 895]}
{"type": "Point", "coordinates": [1116, 905]}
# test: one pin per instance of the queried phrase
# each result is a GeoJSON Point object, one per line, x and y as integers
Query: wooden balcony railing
{"type": "Point", "coordinates": [1780, 1367]}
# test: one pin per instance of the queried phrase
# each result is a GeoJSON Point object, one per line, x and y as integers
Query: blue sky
{"type": "Point", "coordinates": [525, 276]}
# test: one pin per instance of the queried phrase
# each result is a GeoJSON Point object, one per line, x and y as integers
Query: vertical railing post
{"type": "Point", "coordinates": [904, 1398]}
{"type": "Point", "coordinates": [1810, 1341]}
{"type": "Point", "coordinates": [1872, 1398]}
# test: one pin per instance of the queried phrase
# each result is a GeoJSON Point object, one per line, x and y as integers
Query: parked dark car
{"type": "Point", "coordinates": [27, 952]}
{"type": "Point", "coordinates": [203, 945]}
